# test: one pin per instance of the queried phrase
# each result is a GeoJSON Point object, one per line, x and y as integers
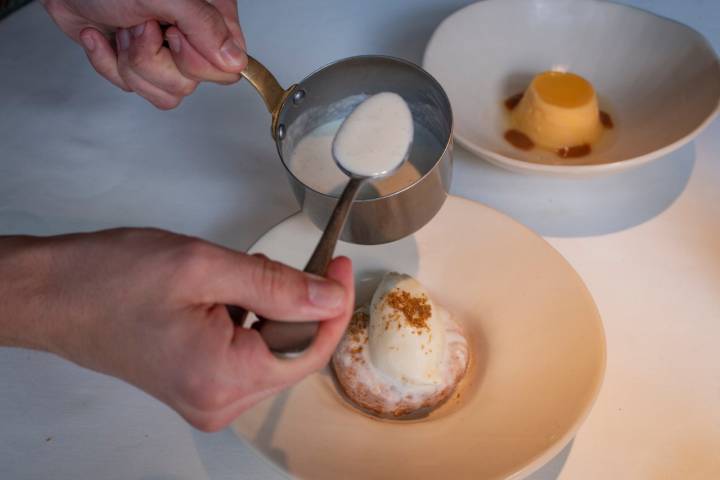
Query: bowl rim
{"type": "Point", "coordinates": [516, 164]}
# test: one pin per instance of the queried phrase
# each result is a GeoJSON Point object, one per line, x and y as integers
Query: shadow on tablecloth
{"type": "Point", "coordinates": [563, 207]}
{"type": "Point", "coordinates": [552, 469]}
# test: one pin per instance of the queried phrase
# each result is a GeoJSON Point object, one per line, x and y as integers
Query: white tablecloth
{"type": "Point", "coordinates": [77, 154]}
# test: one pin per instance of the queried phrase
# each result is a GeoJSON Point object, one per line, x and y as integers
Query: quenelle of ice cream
{"type": "Point", "coordinates": [558, 110]}
{"type": "Point", "coordinates": [403, 353]}
{"type": "Point", "coordinates": [407, 334]}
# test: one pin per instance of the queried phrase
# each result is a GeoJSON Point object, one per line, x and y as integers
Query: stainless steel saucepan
{"type": "Point", "coordinates": [331, 93]}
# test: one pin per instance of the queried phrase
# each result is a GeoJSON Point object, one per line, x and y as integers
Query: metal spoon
{"type": "Point", "coordinates": [290, 337]}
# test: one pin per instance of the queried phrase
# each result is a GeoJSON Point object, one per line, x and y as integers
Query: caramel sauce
{"type": "Point", "coordinates": [606, 120]}
{"type": "Point", "coordinates": [512, 101]}
{"type": "Point", "coordinates": [574, 152]}
{"type": "Point", "coordinates": [519, 140]}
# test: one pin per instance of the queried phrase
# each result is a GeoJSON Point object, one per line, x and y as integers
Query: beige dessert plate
{"type": "Point", "coordinates": [538, 358]}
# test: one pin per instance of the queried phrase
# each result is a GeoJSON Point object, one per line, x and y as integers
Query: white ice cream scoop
{"type": "Point", "coordinates": [406, 334]}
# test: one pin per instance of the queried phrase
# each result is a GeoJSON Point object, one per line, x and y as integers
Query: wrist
{"type": "Point", "coordinates": [25, 319]}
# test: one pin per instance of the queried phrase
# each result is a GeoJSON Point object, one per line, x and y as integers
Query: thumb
{"type": "Point", "coordinates": [272, 289]}
{"type": "Point", "coordinates": [206, 29]}
{"type": "Point", "coordinates": [269, 374]}
{"type": "Point", "coordinates": [329, 332]}
{"type": "Point", "coordinates": [273, 371]}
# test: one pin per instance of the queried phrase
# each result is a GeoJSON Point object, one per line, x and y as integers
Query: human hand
{"type": "Point", "coordinates": [206, 43]}
{"type": "Point", "coordinates": [148, 306]}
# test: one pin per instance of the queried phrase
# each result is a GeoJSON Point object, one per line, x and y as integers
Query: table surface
{"type": "Point", "coordinates": [77, 154]}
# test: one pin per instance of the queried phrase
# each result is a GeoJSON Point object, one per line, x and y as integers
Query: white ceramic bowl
{"type": "Point", "coordinates": [537, 358]}
{"type": "Point", "coordinates": [659, 79]}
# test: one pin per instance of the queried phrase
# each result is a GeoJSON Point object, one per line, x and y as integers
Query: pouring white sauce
{"type": "Point", "coordinates": [374, 140]}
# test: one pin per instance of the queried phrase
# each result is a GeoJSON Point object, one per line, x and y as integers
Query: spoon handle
{"type": "Point", "coordinates": [287, 337]}
{"type": "Point", "coordinates": [323, 253]}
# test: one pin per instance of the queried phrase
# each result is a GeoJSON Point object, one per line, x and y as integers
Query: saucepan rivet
{"type": "Point", "coordinates": [298, 97]}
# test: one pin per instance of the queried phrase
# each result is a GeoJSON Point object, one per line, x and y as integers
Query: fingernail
{"type": "Point", "coordinates": [174, 41]}
{"type": "Point", "coordinates": [232, 53]}
{"type": "Point", "coordinates": [123, 39]}
{"type": "Point", "coordinates": [88, 42]}
{"type": "Point", "coordinates": [138, 30]}
{"type": "Point", "coordinates": [325, 294]}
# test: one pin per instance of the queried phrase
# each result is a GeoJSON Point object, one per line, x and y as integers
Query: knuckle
{"type": "Point", "coordinates": [208, 15]}
{"type": "Point", "coordinates": [131, 235]}
{"type": "Point", "coordinates": [129, 79]}
{"type": "Point", "coordinates": [193, 76]}
{"type": "Point", "coordinates": [192, 258]}
{"type": "Point", "coordinates": [186, 70]}
{"type": "Point", "coordinates": [186, 267]}
{"type": "Point", "coordinates": [137, 57]}
{"type": "Point", "coordinates": [147, 232]}
{"type": "Point", "coordinates": [166, 103]}
{"type": "Point", "coordinates": [187, 88]}
{"type": "Point", "coordinates": [270, 278]}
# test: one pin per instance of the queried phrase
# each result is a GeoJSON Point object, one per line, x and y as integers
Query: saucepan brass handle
{"type": "Point", "coordinates": [269, 89]}
{"type": "Point", "coordinates": [264, 82]}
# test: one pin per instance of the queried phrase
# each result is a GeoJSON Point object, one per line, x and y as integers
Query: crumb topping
{"type": "Point", "coordinates": [416, 310]}
{"type": "Point", "coordinates": [357, 330]}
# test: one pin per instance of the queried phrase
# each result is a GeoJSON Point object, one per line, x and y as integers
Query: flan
{"type": "Point", "coordinates": [558, 110]}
